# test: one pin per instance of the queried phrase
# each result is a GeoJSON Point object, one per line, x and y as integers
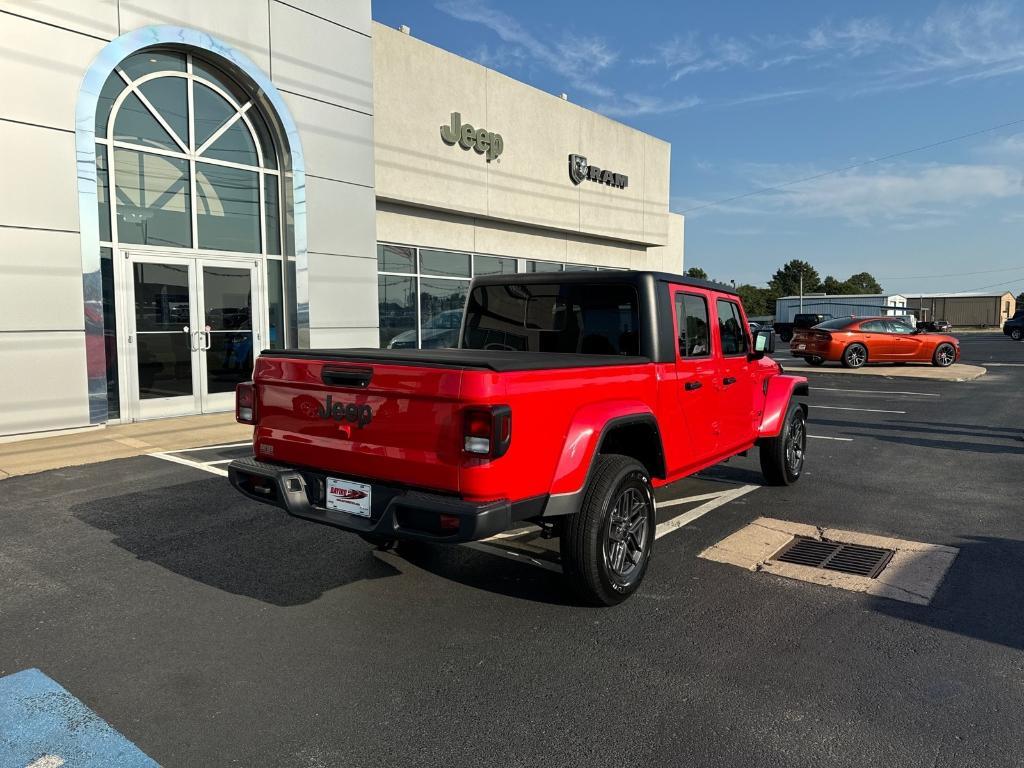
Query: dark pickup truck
{"type": "Point", "coordinates": [570, 398]}
{"type": "Point", "coordinates": [801, 322]}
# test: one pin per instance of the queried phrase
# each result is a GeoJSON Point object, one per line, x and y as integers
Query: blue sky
{"type": "Point", "coordinates": [756, 94]}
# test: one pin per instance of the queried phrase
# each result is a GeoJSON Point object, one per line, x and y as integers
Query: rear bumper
{"type": "Point", "coordinates": [395, 512]}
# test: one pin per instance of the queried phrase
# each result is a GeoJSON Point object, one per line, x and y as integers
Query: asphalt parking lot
{"type": "Point", "coordinates": [209, 630]}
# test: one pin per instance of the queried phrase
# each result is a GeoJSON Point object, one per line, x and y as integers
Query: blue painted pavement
{"type": "Point", "coordinates": [41, 723]}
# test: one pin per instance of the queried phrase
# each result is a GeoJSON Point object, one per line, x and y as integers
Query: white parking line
{"type": "Point", "coordinates": [875, 392]}
{"type": "Point", "coordinates": [1005, 365]}
{"type": "Point", "coordinates": [687, 499]}
{"type": "Point", "coordinates": [190, 463]}
{"type": "Point", "coordinates": [210, 447]}
{"type": "Point", "coordinates": [688, 517]}
{"type": "Point", "coordinates": [840, 439]}
{"type": "Point", "coordinates": [842, 408]}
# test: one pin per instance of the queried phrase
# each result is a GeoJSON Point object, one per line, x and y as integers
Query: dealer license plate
{"type": "Point", "coordinates": [348, 496]}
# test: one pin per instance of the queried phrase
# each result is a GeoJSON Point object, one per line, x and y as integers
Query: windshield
{"type": "Point", "coordinates": [585, 318]}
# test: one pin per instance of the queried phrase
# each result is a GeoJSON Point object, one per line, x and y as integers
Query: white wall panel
{"type": "Point", "coordinates": [336, 142]}
{"type": "Point", "coordinates": [38, 186]}
{"type": "Point", "coordinates": [40, 280]}
{"type": "Point", "coordinates": [341, 218]}
{"type": "Point", "coordinates": [344, 338]}
{"type": "Point", "coordinates": [42, 68]}
{"type": "Point", "coordinates": [242, 24]}
{"type": "Point", "coordinates": [93, 17]}
{"type": "Point", "coordinates": [342, 291]}
{"type": "Point", "coordinates": [322, 60]}
{"type": "Point", "coordinates": [354, 14]}
{"type": "Point", "coordinates": [49, 390]}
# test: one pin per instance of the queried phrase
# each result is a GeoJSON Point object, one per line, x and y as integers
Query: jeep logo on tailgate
{"type": "Point", "coordinates": [360, 415]}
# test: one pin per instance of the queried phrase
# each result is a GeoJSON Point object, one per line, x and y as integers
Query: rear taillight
{"type": "Point", "coordinates": [487, 431]}
{"type": "Point", "coordinates": [245, 403]}
{"type": "Point", "coordinates": [823, 335]}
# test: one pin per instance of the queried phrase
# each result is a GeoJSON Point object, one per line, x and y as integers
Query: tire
{"type": "Point", "coordinates": [816, 361]}
{"type": "Point", "coordinates": [606, 546]}
{"type": "Point", "coordinates": [786, 336]}
{"type": "Point", "coordinates": [944, 356]}
{"type": "Point", "coordinates": [1017, 334]}
{"type": "Point", "coordinates": [855, 356]}
{"type": "Point", "coordinates": [782, 457]}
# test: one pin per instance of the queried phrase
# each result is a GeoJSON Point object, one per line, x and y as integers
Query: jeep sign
{"type": "Point", "coordinates": [466, 136]}
{"type": "Point", "coordinates": [579, 170]}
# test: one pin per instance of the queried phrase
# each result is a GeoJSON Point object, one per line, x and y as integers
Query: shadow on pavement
{"type": "Point", "coordinates": [205, 531]}
{"type": "Point", "coordinates": [927, 442]}
{"type": "Point", "coordinates": [980, 596]}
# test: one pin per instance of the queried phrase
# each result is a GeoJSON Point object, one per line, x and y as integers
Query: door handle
{"type": "Point", "coordinates": [729, 380]}
{"type": "Point", "coordinates": [209, 341]}
{"type": "Point", "coordinates": [692, 385]}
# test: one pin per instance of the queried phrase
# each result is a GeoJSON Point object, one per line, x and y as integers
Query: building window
{"type": "Point", "coordinates": [186, 161]}
{"type": "Point", "coordinates": [421, 292]}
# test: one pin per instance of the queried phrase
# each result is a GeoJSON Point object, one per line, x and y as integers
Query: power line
{"type": "Point", "coordinates": [823, 174]}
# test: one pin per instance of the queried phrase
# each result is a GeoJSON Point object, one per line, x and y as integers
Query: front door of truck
{"type": "Point", "coordinates": [696, 376]}
{"type": "Point", "coordinates": [735, 381]}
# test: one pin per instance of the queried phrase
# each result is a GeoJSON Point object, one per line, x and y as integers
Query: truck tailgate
{"type": "Point", "coordinates": [390, 422]}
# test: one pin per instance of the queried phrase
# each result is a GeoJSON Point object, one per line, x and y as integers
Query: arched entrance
{"type": "Point", "coordinates": [194, 209]}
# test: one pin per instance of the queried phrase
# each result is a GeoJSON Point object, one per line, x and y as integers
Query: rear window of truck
{"type": "Point", "coordinates": [591, 319]}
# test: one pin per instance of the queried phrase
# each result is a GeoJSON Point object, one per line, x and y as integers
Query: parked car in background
{"type": "Point", "coordinates": [934, 326]}
{"type": "Point", "coordinates": [801, 321]}
{"type": "Point", "coordinates": [856, 341]}
{"type": "Point", "coordinates": [1014, 327]}
{"type": "Point", "coordinates": [754, 327]}
{"type": "Point", "coordinates": [442, 330]}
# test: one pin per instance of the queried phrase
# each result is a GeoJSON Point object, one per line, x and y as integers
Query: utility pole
{"type": "Point", "coordinates": [801, 291]}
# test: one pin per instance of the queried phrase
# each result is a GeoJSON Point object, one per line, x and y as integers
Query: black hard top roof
{"type": "Point", "coordinates": [604, 276]}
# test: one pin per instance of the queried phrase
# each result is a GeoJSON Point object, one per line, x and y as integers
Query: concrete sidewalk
{"type": "Point", "coordinates": [955, 372]}
{"type": "Point", "coordinates": [38, 454]}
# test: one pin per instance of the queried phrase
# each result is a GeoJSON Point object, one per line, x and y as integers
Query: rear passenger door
{"type": "Point", "coordinates": [736, 378]}
{"type": "Point", "coordinates": [878, 339]}
{"type": "Point", "coordinates": [696, 374]}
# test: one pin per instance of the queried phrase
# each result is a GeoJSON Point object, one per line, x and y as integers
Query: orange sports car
{"type": "Point", "coordinates": [856, 341]}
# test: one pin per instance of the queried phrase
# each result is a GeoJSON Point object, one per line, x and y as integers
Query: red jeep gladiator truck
{"type": "Point", "coordinates": [569, 399]}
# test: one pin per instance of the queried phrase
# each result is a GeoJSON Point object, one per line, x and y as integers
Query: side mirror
{"type": "Point", "coordinates": [764, 342]}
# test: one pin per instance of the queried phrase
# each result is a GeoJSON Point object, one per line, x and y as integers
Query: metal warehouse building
{"type": "Point", "coordinates": [188, 182]}
{"type": "Point", "coordinates": [964, 309]}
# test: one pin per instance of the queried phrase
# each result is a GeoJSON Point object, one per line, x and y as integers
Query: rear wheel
{"type": "Point", "coordinates": [815, 360]}
{"type": "Point", "coordinates": [786, 336]}
{"type": "Point", "coordinates": [1017, 334]}
{"type": "Point", "coordinates": [606, 546]}
{"type": "Point", "coordinates": [944, 355]}
{"type": "Point", "coordinates": [855, 356]}
{"type": "Point", "coordinates": [782, 457]}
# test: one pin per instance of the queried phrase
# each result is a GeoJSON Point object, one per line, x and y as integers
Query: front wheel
{"type": "Point", "coordinates": [782, 457]}
{"type": "Point", "coordinates": [606, 546]}
{"type": "Point", "coordinates": [944, 356]}
{"type": "Point", "coordinates": [1017, 334]}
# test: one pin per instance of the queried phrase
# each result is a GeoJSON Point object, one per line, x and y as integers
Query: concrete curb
{"type": "Point", "coordinates": [959, 372]}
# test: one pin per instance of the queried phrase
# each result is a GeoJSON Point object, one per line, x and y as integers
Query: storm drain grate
{"type": "Point", "coordinates": [835, 556]}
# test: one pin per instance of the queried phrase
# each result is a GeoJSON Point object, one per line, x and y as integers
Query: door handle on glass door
{"type": "Point", "coordinates": [209, 340]}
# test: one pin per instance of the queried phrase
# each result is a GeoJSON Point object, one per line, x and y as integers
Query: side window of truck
{"type": "Point", "coordinates": [692, 321]}
{"type": "Point", "coordinates": [730, 328]}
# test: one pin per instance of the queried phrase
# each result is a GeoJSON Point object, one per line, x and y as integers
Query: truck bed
{"type": "Point", "coordinates": [499, 361]}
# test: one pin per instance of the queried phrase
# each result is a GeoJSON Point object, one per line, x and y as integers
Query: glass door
{"type": "Point", "coordinates": [194, 328]}
{"type": "Point", "coordinates": [228, 330]}
{"type": "Point", "coordinates": [163, 342]}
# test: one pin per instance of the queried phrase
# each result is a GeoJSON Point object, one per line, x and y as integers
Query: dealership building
{"type": "Point", "coordinates": [189, 182]}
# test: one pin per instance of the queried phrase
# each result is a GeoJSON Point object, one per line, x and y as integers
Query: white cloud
{"type": "Point", "coordinates": [578, 60]}
{"type": "Point", "coordinates": [633, 104]}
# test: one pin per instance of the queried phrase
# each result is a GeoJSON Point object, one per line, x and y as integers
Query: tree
{"type": "Point", "coordinates": [697, 273]}
{"type": "Point", "coordinates": [757, 301]}
{"type": "Point", "coordinates": [1020, 300]}
{"type": "Point", "coordinates": [863, 282]}
{"type": "Point", "coordinates": [786, 281]}
{"type": "Point", "coordinates": [832, 286]}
